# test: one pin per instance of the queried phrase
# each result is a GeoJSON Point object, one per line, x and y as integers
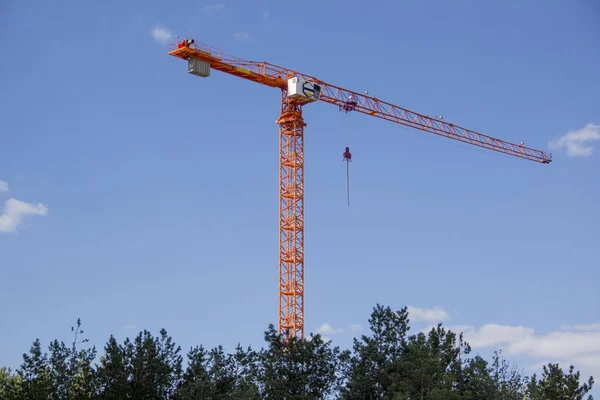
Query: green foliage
{"type": "Point", "coordinates": [215, 375]}
{"type": "Point", "coordinates": [66, 373]}
{"type": "Point", "coordinates": [297, 369]}
{"type": "Point", "coordinates": [35, 374]}
{"type": "Point", "coordinates": [390, 364]}
{"type": "Point", "coordinates": [387, 364]}
{"type": "Point", "coordinates": [375, 363]}
{"type": "Point", "coordinates": [11, 385]}
{"type": "Point", "coordinates": [555, 384]}
{"type": "Point", "coordinates": [147, 368]}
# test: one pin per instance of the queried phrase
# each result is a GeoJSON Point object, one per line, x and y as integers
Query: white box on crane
{"type": "Point", "coordinates": [303, 91]}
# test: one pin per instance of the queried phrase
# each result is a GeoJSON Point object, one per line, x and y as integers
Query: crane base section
{"type": "Point", "coordinates": [199, 67]}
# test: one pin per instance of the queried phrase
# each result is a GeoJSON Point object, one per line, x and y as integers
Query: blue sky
{"type": "Point", "coordinates": [136, 195]}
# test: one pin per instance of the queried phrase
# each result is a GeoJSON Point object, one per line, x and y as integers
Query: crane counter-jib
{"type": "Point", "coordinates": [260, 72]}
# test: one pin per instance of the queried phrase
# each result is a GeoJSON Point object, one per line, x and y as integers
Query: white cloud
{"type": "Point", "coordinates": [521, 340]}
{"type": "Point", "coordinates": [241, 36]}
{"type": "Point", "coordinates": [588, 364]}
{"type": "Point", "coordinates": [4, 187]}
{"type": "Point", "coordinates": [493, 335]}
{"type": "Point", "coordinates": [13, 211]}
{"type": "Point", "coordinates": [578, 345]}
{"type": "Point", "coordinates": [326, 330]}
{"type": "Point", "coordinates": [575, 141]}
{"type": "Point", "coordinates": [161, 34]}
{"type": "Point", "coordinates": [213, 7]}
{"type": "Point", "coordinates": [559, 344]}
{"type": "Point", "coordinates": [432, 315]}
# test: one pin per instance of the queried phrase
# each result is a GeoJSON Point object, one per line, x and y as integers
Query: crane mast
{"type": "Point", "coordinates": [291, 218]}
{"type": "Point", "coordinates": [298, 89]}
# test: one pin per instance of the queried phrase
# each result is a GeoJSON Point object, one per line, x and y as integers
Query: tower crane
{"type": "Point", "coordinates": [297, 90]}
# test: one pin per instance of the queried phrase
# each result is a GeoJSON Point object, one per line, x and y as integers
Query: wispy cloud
{"type": "Point", "coordinates": [326, 330]}
{"type": "Point", "coordinates": [431, 315]}
{"type": "Point", "coordinates": [14, 210]}
{"type": "Point", "coordinates": [213, 7]}
{"type": "Point", "coordinates": [161, 34]}
{"type": "Point", "coordinates": [265, 15]}
{"type": "Point", "coordinates": [576, 142]}
{"type": "Point", "coordinates": [241, 36]}
{"type": "Point", "coordinates": [585, 327]}
{"type": "Point", "coordinates": [4, 187]}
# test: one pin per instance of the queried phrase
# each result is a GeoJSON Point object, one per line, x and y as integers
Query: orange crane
{"type": "Point", "coordinates": [297, 90]}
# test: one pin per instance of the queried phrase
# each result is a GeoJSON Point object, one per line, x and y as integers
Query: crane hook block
{"type": "Point", "coordinates": [347, 154]}
{"type": "Point", "coordinates": [348, 105]}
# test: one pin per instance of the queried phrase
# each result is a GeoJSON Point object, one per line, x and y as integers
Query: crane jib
{"type": "Point", "coordinates": [275, 76]}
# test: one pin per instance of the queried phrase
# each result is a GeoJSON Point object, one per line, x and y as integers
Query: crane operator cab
{"type": "Point", "coordinates": [303, 91]}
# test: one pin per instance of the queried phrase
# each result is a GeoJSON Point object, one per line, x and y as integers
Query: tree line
{"type": "Point", "coordinates": [389, 363]}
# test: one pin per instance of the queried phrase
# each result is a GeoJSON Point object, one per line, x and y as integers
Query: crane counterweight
{"type": "Point", "coordinates": [199, 67]}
